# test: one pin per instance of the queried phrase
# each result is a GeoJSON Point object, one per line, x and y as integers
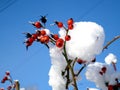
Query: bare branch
{"type": "Point", "coordinates": [110, 42]}
{"type": "Point", "coordinates": [81, 69]}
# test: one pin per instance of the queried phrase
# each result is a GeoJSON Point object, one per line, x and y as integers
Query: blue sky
{"type": "Point", "coordinates": [31, 67]}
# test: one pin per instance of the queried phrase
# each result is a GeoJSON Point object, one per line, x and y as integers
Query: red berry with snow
{"type": "Point", "coordinates": [67, 37]}
{"type": "Point", "coordinates": [70, 21]}
{"type": "Point", "coordinates": [59, 42]}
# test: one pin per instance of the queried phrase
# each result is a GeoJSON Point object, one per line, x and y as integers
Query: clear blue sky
{"type": "Point", "coordinates": [31, 67]}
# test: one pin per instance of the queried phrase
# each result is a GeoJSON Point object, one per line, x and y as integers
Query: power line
{"type": "Point", "coordinates": [6, 4]}
{"type": "Point", "coordinates": [92, 8]}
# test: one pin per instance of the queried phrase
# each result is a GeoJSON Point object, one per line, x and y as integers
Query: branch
{"type": "Point", "coordinates": [110, 42]}
{"type": "Point", "coordinates": [17, 87]}
{"type": "Point", "coordinates": [69, 68]}
{"type": "Point", "coordinates": [81, 69]}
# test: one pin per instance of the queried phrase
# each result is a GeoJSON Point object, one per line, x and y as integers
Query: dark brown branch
{"type": "Point", "coordinates": [110, 42]}
{"type": "Point", "coordinates": [81, 69]}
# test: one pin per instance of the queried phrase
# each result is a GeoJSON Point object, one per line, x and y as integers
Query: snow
{"type": "Point", "coordinates": [58, 65]}
{"type": "Point", "coordinates": [92, 89]}
{"type": "Point", "coordinates": [22, 88]}
{"type": "Point", "coordinates": [87, 40]}
{"type": "Point", "coordinates": [110, 76]}
{"type": "Point", "coordinates": [110, 58]}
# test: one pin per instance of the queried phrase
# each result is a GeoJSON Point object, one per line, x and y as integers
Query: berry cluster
{"type": "Point", "coordinates": [7, 77]}
{"type": "Point", "coordinates": [41, 35]}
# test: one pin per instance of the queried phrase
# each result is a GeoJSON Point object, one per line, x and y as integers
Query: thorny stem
{"type": "Point", "coordinates": [110, 42]}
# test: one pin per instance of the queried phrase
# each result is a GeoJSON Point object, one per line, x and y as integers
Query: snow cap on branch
{"type": "Point", "coordinates": [111, 58]}
{"type": "Point", "coordinates": [102, 75]}
{"type": "Point", "coordinates": [92, 89]}
{"type": "Point", "coordinates": [87, 40]}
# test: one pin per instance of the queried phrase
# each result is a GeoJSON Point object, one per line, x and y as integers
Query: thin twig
{"type": "Point", "coordinates": [74, 61]}
{"type": "Point", "coordinates": [81, 69]}
{"type": "Point", "coordinates": [110, 42]}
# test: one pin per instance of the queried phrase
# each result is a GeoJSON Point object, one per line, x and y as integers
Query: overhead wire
{"type": "Point", "coordinates": [91, 8]}
{"type": "Point", "coordinates": [6, 4]}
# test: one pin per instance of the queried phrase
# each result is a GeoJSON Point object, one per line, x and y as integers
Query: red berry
{"type": "Point", "coordinates": [1, 88]}
{"type": "Point", "coordinates": [70, 21]}
{"type": "Point", "coordinates": [3, 81]}
{"type": "Point", "coordinates": [70, 27]}
{"type": "Point", "coordinates": [67, 37]}
{"type": "Point", "coordinates": [34, 36]}
{"type": "Point", "coordinates": [44, 39]}
{"type": "Point", "coordinates": [59, 42]}
{"type": "Point", "coordinates": [55, 36]}
{"type": "Point", "coordinates": [5, 78]}
{"type": "Point", "coordinates": [104, 69]}
{"type": "Point", "coordinates": [7, 73]}
{"type": "Point", "coordinates": [110, 87]}
{"type": "Point", "coordinates": [29, 42]}
{"type": "Point", "coordinates": [38, 32]}
{"type": "Point", "coordinates": [59, 24]}
{"type": "Point", "coordinates": [43, 32]}
{"type": "Point", "coordinates": [9, 87]}
{"type": "Point", "coordinates": [37, 24]}
{"type": "Point", "coordinates": [79, 61]}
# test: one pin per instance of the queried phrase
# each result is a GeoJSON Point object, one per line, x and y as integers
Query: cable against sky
{"type": "Point", "coordinates": [4, 4]}
{"type": "Point", "coordinates": [92, 8]}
